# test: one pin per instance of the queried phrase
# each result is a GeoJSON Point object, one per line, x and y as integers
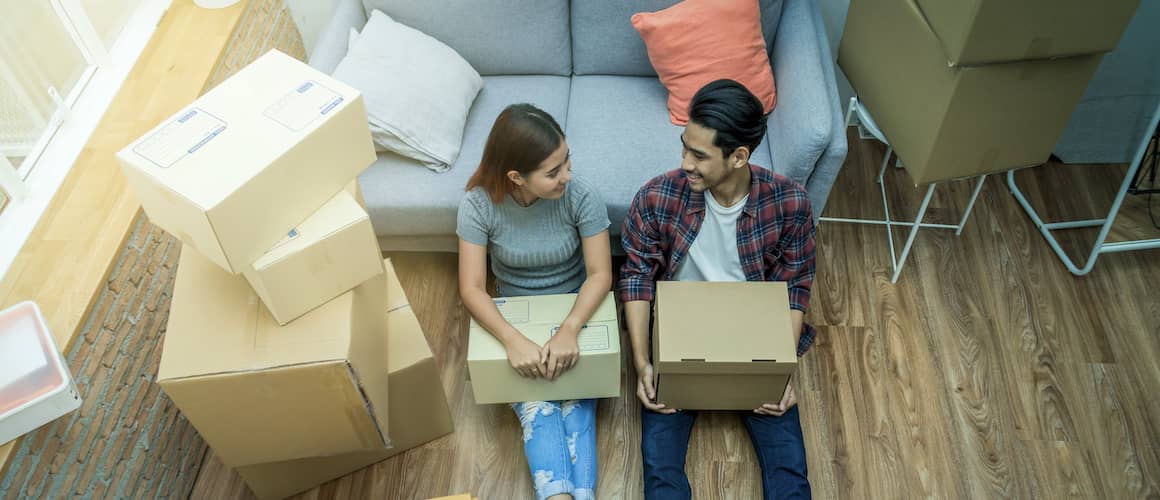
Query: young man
{"type": "Point", "coordinates": [718, 218]}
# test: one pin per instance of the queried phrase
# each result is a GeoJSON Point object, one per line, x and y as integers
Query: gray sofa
{"type": "Point", "coordinates": [583, 62]}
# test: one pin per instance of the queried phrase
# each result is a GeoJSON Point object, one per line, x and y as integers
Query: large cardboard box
{"type": "Point", "coordinates": [331, 252]}
{"type": "Point", "coordinates": [973, 32]}
{"type": "Point", "coordinates": [596, 374]}
{"type": "Point", "coordinates": [722, 345]}
{"type": "Point", "coordinates": [953, 122]}
{"type": "Point", "coordinates": [418, 410]}
{"type": "Point", "coordinates": [258, 392]}
{"type": "Point", "coordinates": [237, 169]}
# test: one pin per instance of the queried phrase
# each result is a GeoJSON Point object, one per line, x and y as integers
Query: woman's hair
{"type": "Point", "coordinates": [735, 113]}
{"type": "Point", "coordinates": [522, 137]}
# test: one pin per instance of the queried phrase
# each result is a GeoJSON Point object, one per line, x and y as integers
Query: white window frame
{"type": "Point", "coordinates": [48, 163]}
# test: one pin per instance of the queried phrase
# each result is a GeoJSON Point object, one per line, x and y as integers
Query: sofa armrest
{"type": "Point", "coordinates": [805, 127]}
{"type": "Point", "coordinates": [331, 45]}
{"type": "Point", "coordinates": [822, 179]}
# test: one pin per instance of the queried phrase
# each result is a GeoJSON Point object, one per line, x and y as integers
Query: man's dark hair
{"type": "Point", "coordinates": [733, 111]}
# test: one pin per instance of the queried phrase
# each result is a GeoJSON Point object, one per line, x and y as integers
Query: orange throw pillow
{"type": "Point", "coordinates": [698, 41]}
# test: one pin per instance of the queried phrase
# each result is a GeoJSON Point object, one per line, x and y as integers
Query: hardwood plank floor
{"type": "Point", "coordinates": [987, 371]}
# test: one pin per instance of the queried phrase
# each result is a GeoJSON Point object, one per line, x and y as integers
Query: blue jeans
{"type": "Point", "coordinates": [777, 441]}
{"type": "Point", "coordinates": [560, 443]}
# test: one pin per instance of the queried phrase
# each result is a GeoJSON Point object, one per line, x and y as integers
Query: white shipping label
{"type": "Point", "coordinates": [303, 105]}
{"type": "Point", "coordinates": [514, 311]}
{"type": "Point", "coordinates": [21, 352]}
{"type": "Point", "coordinates": [591, 338]}
{"type": "Point", "coordinates": [181, 137]}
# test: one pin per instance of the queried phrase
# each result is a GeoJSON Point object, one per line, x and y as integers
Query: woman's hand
{"type": "Point", "coordinates": [561, 352]}
{"type": "Point", "coordinates": [524, 356]}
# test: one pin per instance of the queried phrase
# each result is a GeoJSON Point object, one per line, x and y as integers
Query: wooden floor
{"type": "Point", "coordinates": [988, 371]}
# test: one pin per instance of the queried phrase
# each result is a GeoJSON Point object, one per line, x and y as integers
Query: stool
{"type": "Point", "coordinates": [857, 115]}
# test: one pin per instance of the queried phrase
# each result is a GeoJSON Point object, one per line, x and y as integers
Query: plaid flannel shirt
{"type": "Point", "coordinates": [775, 237]}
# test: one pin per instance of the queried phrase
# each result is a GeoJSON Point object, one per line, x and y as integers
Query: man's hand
{"type": "Point", "coordinates": [776, 410]}
{"type": "Point", "coordinates": [646, 390]}
{"type": "Point", "coordinates": [524, 356]}
{"type": "Point", "coordinates": [560, 353]}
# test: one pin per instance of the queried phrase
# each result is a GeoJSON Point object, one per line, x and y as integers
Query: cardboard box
{"type": "Point", "coordinates": [237, 169]}
{"type": "Point", "coordinates": [596, 374]}
{"type": "Point", "coordinates": [35, 384]}
{"type": "Point", "coordinates": [954, 122]}
{"type": "Point", "coordinates": [722, 345]}
{"type": "Point", "coordinates": [258, 392]}
{"type": "Point", "coordinates": [973, 32]}
{"type": "Point", "coordinates": [355, 189]}
{"type": "Point", "coordinates": [418, 410]}
{"type": "Point", "coordinates": [331, 252]}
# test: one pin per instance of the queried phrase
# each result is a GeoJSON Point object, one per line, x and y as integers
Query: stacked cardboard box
{"type": "Point", "coordinates": [967, 87]}
{"type": "Point", "coordinates": [280, 348]}
{"type": "Point", "coordinates": [417, 410]}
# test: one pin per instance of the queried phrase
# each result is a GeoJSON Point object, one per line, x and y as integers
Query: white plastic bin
{"type": "Point", "coordinates": [35, 385]}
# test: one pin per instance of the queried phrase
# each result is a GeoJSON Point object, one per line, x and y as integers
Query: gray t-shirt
{"type": "Point", "coordinates": [534, 250]}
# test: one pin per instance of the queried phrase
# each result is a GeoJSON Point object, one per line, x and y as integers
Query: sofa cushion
{"type": "Point", "coordinates": [604, 42]}
{"type": "Point", "coordinates": [498, 37]}
{"type": "Point", "coordinates": [620, 136]}
{"type": "Point", "coordinates": [688, 52]}
{"type": "Point", "coordinates": [407, 201]}
{"type": "Point", "coordinates": [418, 90]}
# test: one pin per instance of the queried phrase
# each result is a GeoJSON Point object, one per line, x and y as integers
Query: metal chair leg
{"type": "Point", "coordinates": [850, 110]}
{"type": "Point", "coordinates": [971, 204]}
{"type": "Point", "coordinates": [913, 232]}
{"type": "Point", "coordinates": [885, 162]}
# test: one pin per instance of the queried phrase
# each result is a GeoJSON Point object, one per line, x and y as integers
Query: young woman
{"type": "Point", "coordinates": [547, 233]}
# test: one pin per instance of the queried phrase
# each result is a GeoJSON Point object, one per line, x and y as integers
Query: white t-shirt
{"type": "Point", "coordinates": [713, 255]}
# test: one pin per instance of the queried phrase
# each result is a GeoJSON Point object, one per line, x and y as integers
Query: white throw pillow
{"type": "Point", "coordinates": [417, 90]}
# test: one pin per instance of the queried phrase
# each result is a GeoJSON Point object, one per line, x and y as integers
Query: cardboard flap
{"type": "Point", "coordinates": [947, 46]}
{"type": "Point", "coordinates": [275, 89]}
{"type": "Point", "coordinates": [247, 418]}
{"type": "Point", "coordinates": [408, 345]}
{"type": "Point", "coordinates": [368, 348]}
{"type": "Point", "coordinates": [548, 309]}
{"type": "Point", "coordinates": [702, 367]}
{"type": "Point", "coordinates": [538, 317]}
{"type": "Point", "coordinates": [396, 296]}
{"type": "Point", "coordinates": [218, 325]}
{"type": "Point", "coordinates": [977, 32]}
{"type": "Point", "coordinates": [723, 322]}
{"type": "Point", "coordinates": [342, 211]}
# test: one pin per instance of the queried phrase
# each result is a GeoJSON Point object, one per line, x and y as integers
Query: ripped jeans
{"type": "Point", "coordinates": [560, 443]}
